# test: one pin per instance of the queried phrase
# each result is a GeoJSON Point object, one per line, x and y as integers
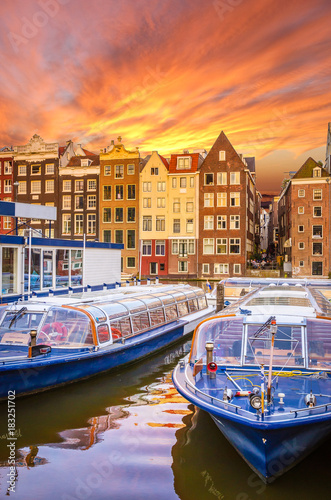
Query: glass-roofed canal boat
{"type": "Point", "coordinates": [48, 342]}
{"type": "Point", "coordinates": [261, 368]}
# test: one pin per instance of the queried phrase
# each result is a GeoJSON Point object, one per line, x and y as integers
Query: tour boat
{"type": "Point", "coordinates": [48, 342]}
{"type": "Point", "coordinates": [262, 369]}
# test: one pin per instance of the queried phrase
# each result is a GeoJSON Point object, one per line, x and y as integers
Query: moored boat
{"type": "Point", "coordinates": [48, 342]}
{"type": "Point", "coordinates": [262, 370]}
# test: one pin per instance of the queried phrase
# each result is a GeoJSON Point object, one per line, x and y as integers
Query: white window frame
{"type": "Point", "coordinates": [208, 222]}
{"type": "Point", "coordinates": [222, 199]}
{"type": "Point", "coordinates": [222, 156]}
{"type": "Point", "coordinates": [208, 243]}
{"type": "Point", "coordinates": [208, 199]}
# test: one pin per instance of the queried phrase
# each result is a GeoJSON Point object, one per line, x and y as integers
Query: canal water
{"type": "Point", "coordinates": [130, 436]}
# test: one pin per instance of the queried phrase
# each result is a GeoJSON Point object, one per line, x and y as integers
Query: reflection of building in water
{"type": "Point", "coordinates": [28, 458]}
{"type": "Point", "coordinates": [86, 437]}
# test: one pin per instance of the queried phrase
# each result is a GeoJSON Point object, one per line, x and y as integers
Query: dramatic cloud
{"type": "Point", "coordinates": [170, 75]}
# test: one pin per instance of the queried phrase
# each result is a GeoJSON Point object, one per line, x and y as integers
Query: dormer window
{"type": "Point", "coordinates": [221, 155]}
{"type": "Point", "coordinates": [317, 172]}
{"type": "Point", "coordinates": [86, 162]}
{"type": "Point", "coordinates": [184, 162]}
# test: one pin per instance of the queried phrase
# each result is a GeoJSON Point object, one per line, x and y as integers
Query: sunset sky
{"type": "Point", "coordinates": [169, 75]}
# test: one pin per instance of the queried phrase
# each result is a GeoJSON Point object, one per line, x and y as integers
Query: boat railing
{"type": "Point", "coordinates": [311, 408]}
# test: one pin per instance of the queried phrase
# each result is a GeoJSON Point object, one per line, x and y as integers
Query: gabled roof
{"type": "Point", "coordinates": [222, 143]}
{"type": "Point", "coordinates": [250, 163]}
{"type": "Point", "coordinates": [197, 159]}
{"type": "Point", "coordinates": [62, 150]}
{"type": "Point", "coordinates": [307, 168]}
{"type": "Point", "coordinates": [165, 162]}
{"type": "Point", "coordinates": [145, 160]}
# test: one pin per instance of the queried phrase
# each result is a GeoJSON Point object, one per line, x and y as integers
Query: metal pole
{"type": "Point", "coordinates": [83, 273]}
{"type": "Point", "coordinates": [29, 271]}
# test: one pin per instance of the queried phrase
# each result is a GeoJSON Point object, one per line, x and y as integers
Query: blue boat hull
{"type": "Point", "coordinates": [33, 375]}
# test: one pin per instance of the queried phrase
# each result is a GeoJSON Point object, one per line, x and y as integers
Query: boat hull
{"type": "Point", "coordinates": [52, 370]}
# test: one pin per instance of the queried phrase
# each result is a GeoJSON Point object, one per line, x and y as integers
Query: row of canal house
{"type": "Point", "coordinates": [193, 215]}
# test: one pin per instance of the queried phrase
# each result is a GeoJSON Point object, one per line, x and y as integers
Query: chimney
{"type": "Point", "coordinates": [186, 151]}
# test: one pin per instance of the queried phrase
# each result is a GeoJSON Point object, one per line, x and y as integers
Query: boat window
{"type": "Point", "coordinates": [114, 309]}
{"type": "Point", "coordinates": [64, 327]}
{"type": "Point", "coordinates": [319, 344]}
{"type": "Point", "coordinates": [287, 346]}
{"type": "Point", "coordinates": [157, 316]}
{"type": "Point", "coordinates": [193, 305]}
{"type": "Point", "coordinates": [202, 302]}
{"type": "Point", "coordinates": [150, 301]}
{"type": "Point", "coordinates": [121, 327]}
{"type": "Point", "coordinates": [226, 334]}
{"type": "Point", "coordinates": [279, 301]}
{"type": "Point", "coordinates": [166, 298]}
{"type": "Point", "coordinates": [140, 322]}
{"type": "Point", "coordinates": [2, 311]}
{"type": "Point", "coordinates": [171, 312]}
{"type": "Point", "coordinates": [182, 308]}
{"type": "Point", "coordinates": [134, 305]}
{"type": "Point", "coordinates": [16, 325]}
{"type": "Point", "coordinates": [103, 333]}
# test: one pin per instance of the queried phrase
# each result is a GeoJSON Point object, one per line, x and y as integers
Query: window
{"type": "Point", "coordinates": [317, 268]}
{"type": "Point", "coordinates": [221, 268]}
{"type": "Point", "coordinates": [119, 171]}
{"type": "Point", "coordinates": [147, 187]}
{"type": "Point", "coordinates": [119, 214]}
{"type": "Point", "coordinates": [91, 201]}
{"type": "Point", "coordinates": [301, 229]}
{"type": "Point", "coordinates": [317, 212]}
{"type": "Point", "coordinates": [209, 179]}
{"type": "Point", "coordinates": [22, 187]}
{"type": "Point", "coordinates": [235, 222]}
{"type": "Point", "coordinates": [66, 185]}
{"type": "Point", "coordinates": [79, 223]}
{"type": "Point", "coordinates": [301, 193]}
{"type": "Point", "coordinates": [49, 168]}
{"type": "Point", "coordinates": [205, 268]}
{"type": "Point", "coordinates": [7, 222]}
{"type": "Point", "coordinates": [208, 199]}
{"type": "Point", "coordinates": [317, 194]}
{"type": "Point", "coordinates": [8, 169]}
{"type": "Point", "coordinates": [221, 155]}
{"type": "Point", "coordinates": [234, 245]}
{"type": "Point", "coordinates": [91, 184]}
{"type": "Point", "coordinates": [91, 224]}
{"type": "Point", "coordinates": [66, 201]}
{"type": "Point", "coordinates": [221, 178]}
{"type": "Point", "coordinates": [130, 169]}
{"type": "Point", "coordinates": [79, 202]}
{"type": "Point", "coordinates": [35, 169]}
{"type": "Point", "coordinates": [35, 187]}
{"type": "Point", "coordinates": [301, 263]}
{"type": "Point", "coordinates": [119, 236]}
{"type": "Point", "coordinates": [131, 262]}
{"type": "Point", "coordinates": [236, 268]}
{"type": "Point", "coordinates": [131, 239]}
{"type": "Point", "coordinates": [49, 234]}
{"type": "Point", "coordinates": [154, 171]}
{"type": "Point", "coordinates": [176, 226]}
{"type": "Point", "coordinates": [189, 225]}
{"type": "Point", "coordinates": [131, 214]}
{"type": "Point", "coordinates": [191, 247]}
{"type": "Point", "coordinates": [147, 247]}
{"type": "Point", "coordinates": [160, 247]}
{"type": "Point", "coordinates": [301, 210]}
{"type": "Point", "coordinates": [191, 182]}
{"type": "Point", "coordinates": [208, 222]}
{"type": "Point", "coordinates": [49, 186]}
{"type": "Point", "coordinates": [131, 191]}
{"type": "Point", "coordinates": [161, 203]}
{"type": "Point", "coordinates": [182, 182]}
{"type": "Point", "coordinates": [234, 177]}
{"type": "Point", "coordinates": [221, 222]}
{"type": "Point", "coordinates": [182, 248]}
{"type": "Point", "coordinates": [208, 246]}
{"type": "Point", "coordinates": [301, 245]}
{"type": "Point", "coordinates": [79, 186]}
{"type": "Point", "coordinates": [160, 223]}
{"type": "Point", "coordinates": [317, 248]}
{"type": "Point", "coordinates": [147, 202]}
{"type": "Point", "coordinates": [161, 186]}
{"type": "Point", "coordinates": [221, 199]}
{"type": "Point", "coordinates": [107, 192]}
{"type": "Point", "coordinates": [221, 246]}
{"type": "Point", "coordinates": [176, 205]}
{"type": "Point", "coordinates": [106, 214]}
{"type": "Point", "coordinates": [317, 231]}
{"type": "Point", "coordinates": [22, 170]}
{"type": "Point", "coordinates": [107, 170]}
{"type": "Point", "coordinates": [174, 182]}
{"type": "Point", "coordinates": [234, 199]}
{"type": "Point", "coordinates": [317, 172]}
{"type": "Point", "coordinates": [162, 266]}
{"type": "Point", "coordinates": [119, 192]}
{"type": "Point", "coordinates": [174, 249]}
{"type": "Point", "coordinates": [189, 206]}
{"type": "Point", "coordinates": [66, 224]}
{"type": "Point", "coordinates": [182, 266]}
{"type": "Point", "coordinates": [184, 163]}
{"type": "Point", "coordinates": [147, 223]}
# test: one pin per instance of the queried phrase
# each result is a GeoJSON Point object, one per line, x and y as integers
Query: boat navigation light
{"type": "Point", "coordinates": [212, 367]}
{"type": "Point", "coordinates": [33, 336]}
{"type": "Point", "coordinates": [310, 400]}
{"type": "Point", "coordinates": [281, 396]}
{"type": "Point", "coordinates": [255, 401]}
